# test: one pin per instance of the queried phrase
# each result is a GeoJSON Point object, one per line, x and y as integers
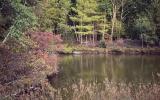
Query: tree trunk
{"type": "Point", "coordinates": [86, 39]}
{"type": "Point", "coordinates": [122, 10]}
{"type": "Point", "coordinates": [113, 21]}
{"type": "Point", "coordinates": [77, 36]}
{"type": "Point", "coordinates": [93, 39]}
{"type": "Point", "coordinates": [81, 39]}
{"type": "Point", "coordinates": [77, 39]}
{"type": "Point", "coordinates": [104, 25]}
{"type": "Point", "coordinates": [5, 39]}
{"type": "Point", "coordinates": [81, 31]}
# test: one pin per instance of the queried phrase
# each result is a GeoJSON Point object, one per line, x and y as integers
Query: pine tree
{"type": "Point", "coordinates": [54, 17]}
{"type": "Point", "coordinates": [88, 19]}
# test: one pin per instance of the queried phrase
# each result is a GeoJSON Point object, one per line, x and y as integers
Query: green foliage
{"type": "Point", "coordinates": [23, 20]}
{"type": "Point", "coordinates": [105, 5]}
{"type": "Point", "coordinates": [141, 19]}
{"type": "Point", "coordinates": [142, 25]}
{"type": "Point", "coordinates": [88, 18]}
{"type": "Point", "coordinates": [120, 29]}
{"type": "Point", "coordinates": [84, 11]}
{"type": "Point", "coordinates": [102, 44]}
{"type": "Point", "coordinates": [68, 49]}
{"type": "Point", "coordinates": [54, 16]}
{"type": "Point", "coordinates": [71, 18]}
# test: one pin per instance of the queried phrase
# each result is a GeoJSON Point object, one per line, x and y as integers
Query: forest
{"type": "Point", "coordinates": [79, 49]}
{"type": "Point", "coordinates": [78, 20]}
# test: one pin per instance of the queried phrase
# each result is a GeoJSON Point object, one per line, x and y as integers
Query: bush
{"type": "Point", "coordinates": [102, 44]}
{"type": "Point", "coordinates": [43, 41]}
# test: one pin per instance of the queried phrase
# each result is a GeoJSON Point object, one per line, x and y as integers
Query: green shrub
{"type": "Point", "coordinates": [102, 44]}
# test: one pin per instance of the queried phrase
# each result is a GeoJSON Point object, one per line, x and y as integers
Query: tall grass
{"type": "Point", "coordinates": [109, 91]}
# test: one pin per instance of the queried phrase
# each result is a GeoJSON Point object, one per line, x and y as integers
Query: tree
{"type": "Point", "coordinates": [154, 13]}
{"type": "Point", "coordinates": [22, 18]}
{"type": "Point", "coordinates": [118, 16]}
{"type": "Point", "coordinates": [105, 9]}
{"type": "Point", "coordinates": [141, 20]}
{"type": "Point", "coordinates": [89, 18]}
{"type": "Point", "coordinates": [83, 19]}
{"type": "Point", "coordinates": [145, 29]}
{"type": "Point", "coordinates": [54, 15]}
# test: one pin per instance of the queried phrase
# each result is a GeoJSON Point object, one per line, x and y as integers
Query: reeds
{"type": "Point", "coordinates": [110, 91]}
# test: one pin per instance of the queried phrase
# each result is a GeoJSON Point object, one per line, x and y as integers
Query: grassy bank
{"type": "Point", "coordinates": [109, 50]}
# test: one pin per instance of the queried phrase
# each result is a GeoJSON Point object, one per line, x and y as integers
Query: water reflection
{"type": "Point", "coordinates": [96, 68]}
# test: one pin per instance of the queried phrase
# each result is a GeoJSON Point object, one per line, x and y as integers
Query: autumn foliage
{"type": "Point", "coordinates": [45, 40]}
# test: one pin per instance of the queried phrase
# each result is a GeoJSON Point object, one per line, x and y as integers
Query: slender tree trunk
{"type": "Point", "coordinates": [5, 39]}
{"type": "Point", "coordinates": [113, 21]}
{"type": "Point", "coordinates": [81, 39]}
{"type": "Point", "coordinates": [96, 37]}
{"type": "Point", "coordinates": [77, 38]}
{"type": "Point", "coordinates": [81, 31]}
{"type": "Point", "coordinates": [122, 10]}
{"type": "Point", "coordinates": [104, 25]}
{"type": "Point", "coordinates": [86, 39]}
{"type": "Point", "coordinates": [93, 37]}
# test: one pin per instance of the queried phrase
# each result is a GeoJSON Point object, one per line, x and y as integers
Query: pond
{"type": "Point", "coordinates": [96, 69]}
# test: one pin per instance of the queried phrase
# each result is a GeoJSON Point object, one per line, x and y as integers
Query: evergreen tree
{"type": "Point", "coordinates": [22, 18]}
{"type": "Point", "coordinates": [89, 19]}
{"type": "Point", "coordinates": [54, 15]}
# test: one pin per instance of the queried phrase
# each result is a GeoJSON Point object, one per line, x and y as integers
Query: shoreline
{"type": "Point", "coordinates": [115, 51]}
{"type": "Point", "coordinates": [36, 83]}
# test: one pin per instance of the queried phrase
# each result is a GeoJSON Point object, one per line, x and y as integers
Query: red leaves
{"type": "Point", "coordinates": [120, 42]}
{"type": "Point", "coordinates": [44, 40]}
{"type": "Point", "coordinates": [57, 38]}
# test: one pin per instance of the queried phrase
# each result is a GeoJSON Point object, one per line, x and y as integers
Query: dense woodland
{"type": "Point", "coordinates": [82, 20]}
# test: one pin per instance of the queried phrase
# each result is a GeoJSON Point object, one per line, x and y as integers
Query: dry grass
{"type": "Point", "coordinates": [110, 91]}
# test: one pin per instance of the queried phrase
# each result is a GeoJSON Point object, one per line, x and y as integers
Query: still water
{"type": "Point", "coordinates": [115, 68]}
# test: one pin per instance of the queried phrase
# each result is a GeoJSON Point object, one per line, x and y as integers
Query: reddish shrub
{"type": "Point", "coordinates": [120, 42]}
{"type": "Point", "coordinates": [43, 40]}
{"type": "Point", "coordinates": [57, 38]}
